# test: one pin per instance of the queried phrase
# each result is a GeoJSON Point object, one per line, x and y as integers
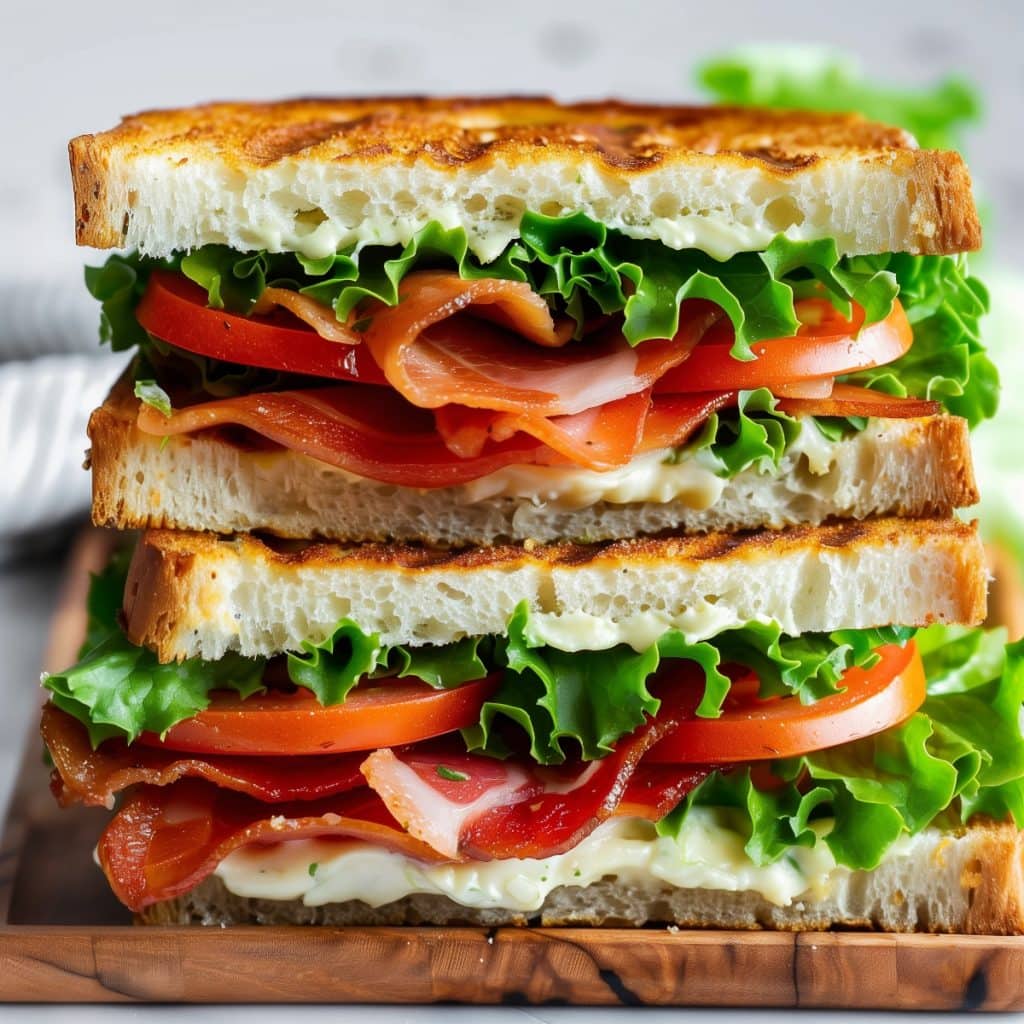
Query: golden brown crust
{"type": "Point", "coordinates": [88, 157]}
{"type": "Point", "coordinates": [111, 429]}
{"type": "Point", "coordinates": [996, 878]}
{"type": "Point", "coordinates": [450, 132]}
{"type": "Point", "coordinates": [618, 139]}
{"type": "Point", "coordinates": [951, 436]}
{"type": "Point", "coordinates": [166, 588]}
{"type": "Point", "coordinates": [176, 545]}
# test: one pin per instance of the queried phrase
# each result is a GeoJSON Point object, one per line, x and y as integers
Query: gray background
{"type": "Point", "coordinates": [68, 69]}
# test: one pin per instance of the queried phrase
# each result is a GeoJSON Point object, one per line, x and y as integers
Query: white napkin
{"type": "Point", "coordinates": [44, 407]}
{"type": "Point", "coordinates": [53, 373]}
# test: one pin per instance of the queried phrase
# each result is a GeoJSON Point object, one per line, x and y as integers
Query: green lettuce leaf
{"type": "Point", "coordinates": [443, 666]}
{"type": "Point", "coordinates": [947, 361]}
{"type": "Point", "coordinates": [149, 392]}
{"type": "Point", "coordinates": [961, 754]}
{"type": "Point", "coordinates": [582, 267]}
{"type": "Point", "coordinates": [118, 285]}
{"type": "Point", "coordinates": [119, 689]}
{"type": "Point", "coordinates": [104, 599]}
{"type": "Point", "coordinates": [589, 698]}
{"type": "Point", "coordinates": [819, 78]}
{"type": "Point", "coordinates": [594, 698]}
{"type": "Point", "coordinates": [755, 434]}
{"type": "Point", "coordinates": [333, 667]}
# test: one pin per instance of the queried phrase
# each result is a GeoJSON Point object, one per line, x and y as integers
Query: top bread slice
{"type": "Point", "coordinates": [198, 595]}
{"type": "Point", "coordinates": [316, 175]}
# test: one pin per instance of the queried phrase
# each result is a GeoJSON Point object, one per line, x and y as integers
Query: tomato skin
{"type": "Point", "coordinates": [382, 714]}
{"type": "Point", "coordinates": [174, 309]}
{"type": "Point", "coordinates": [826, 345]}
{"type": "Point", "coordinates": [758, 730]}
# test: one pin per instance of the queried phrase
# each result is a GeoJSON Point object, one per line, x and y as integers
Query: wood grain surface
{"type": "Point", "coordinates": [63, 937]}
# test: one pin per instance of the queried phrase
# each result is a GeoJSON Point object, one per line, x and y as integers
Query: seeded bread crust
{"type": "Point", "coordinates": [313, 175]}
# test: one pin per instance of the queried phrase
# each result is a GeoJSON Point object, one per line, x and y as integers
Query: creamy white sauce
{"type": "Point", "coordinates": [582, 631]}
{"type": "Point", "coordinates": [648, 478]}
{"type": "Point", "coordinates": [718, 236]}
{"type": "Point", "coordinates": [708, 854]}
{"type": "Point", "coordinates": [819, 451]}
{"type": "Point", "coordinates": [651, 478]}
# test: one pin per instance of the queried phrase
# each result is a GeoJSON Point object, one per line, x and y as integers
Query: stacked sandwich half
{"type": "Point", "coordinates": [548, 516]}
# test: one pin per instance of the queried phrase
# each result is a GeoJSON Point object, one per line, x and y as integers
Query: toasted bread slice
{"type": "Point", "coordinates": [970, 882]}
{"type": "Point", "coordinates": [198, 595]}
{"type": "Point", "coordinates": [314, 175]}
{"type": "Point", "coordinates": [917, 467]}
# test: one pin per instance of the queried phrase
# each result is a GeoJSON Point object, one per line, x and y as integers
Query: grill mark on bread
{"type": "Point", "coordinates": [274, 143]}
{"type": "Point", "coordinates": [639, 551]}
{"type": "Point", "coordinates": [778, 159]}
{"type": "Point", "coordinates": [909, 571]}
{"type": "Point", "coordinates": [628, 137]}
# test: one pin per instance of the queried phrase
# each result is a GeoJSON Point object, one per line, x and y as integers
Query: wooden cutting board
{"type": "Point", "coordinates": [63, 937]}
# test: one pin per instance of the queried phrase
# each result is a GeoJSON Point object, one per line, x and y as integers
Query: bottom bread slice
{"type": "Point", "coordinates": [970, 881]}
{"type": "Point", "coordinates": [911, 467]}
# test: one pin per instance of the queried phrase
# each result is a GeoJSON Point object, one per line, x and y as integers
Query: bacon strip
{"type": "Point", "coordinates": [435, 791]}
{"type": "Point", "coordinates": [374, 434]}
{"type": "Point", "coordinates": [370, 432]}
{"type": "Point", "coordinates": [518, 809]}
{"type": "Point", "coordinates": [164, 841]}
{"type": "Point", "coordinates": [93, 777]}
{"type": "Point", "coordinates": [434, 355]}
{"type": "Point", "coordinates": [602, 438]}
{"type": "Point", "coordinates": [318, 316]}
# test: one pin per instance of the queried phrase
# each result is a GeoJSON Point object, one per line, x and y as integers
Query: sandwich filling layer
{"type": "Point", "coordinates": [816, 751]}
{"type": "Point", "coordinates": [578, 367]}
{"type": "Point", "coordinates": [706, 853]}
{"type": "Point", "coordinates": [905, 466]}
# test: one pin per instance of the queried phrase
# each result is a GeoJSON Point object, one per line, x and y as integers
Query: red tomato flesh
{"type": "Point", "coordinates": [826, 345]}
{"type": "Point", "coordinates": [174, 309]}
{"type": "Point", "coordinates": [750, 729]}
{"type": "Point", "coordinates": [382, 713]}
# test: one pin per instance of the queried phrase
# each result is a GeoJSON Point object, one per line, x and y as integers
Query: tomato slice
{"type": "Point", "coordinates": [174, 309]}
{"type": "Point", "coordinates": [826, 345]}
{"type": "Point", "coordinates": [382, 713]}
{"type": "Point", "coordinates": [756, 730]}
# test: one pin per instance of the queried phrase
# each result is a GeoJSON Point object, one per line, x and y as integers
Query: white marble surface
{"type": "Point", "coordinates": [74, 67]}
